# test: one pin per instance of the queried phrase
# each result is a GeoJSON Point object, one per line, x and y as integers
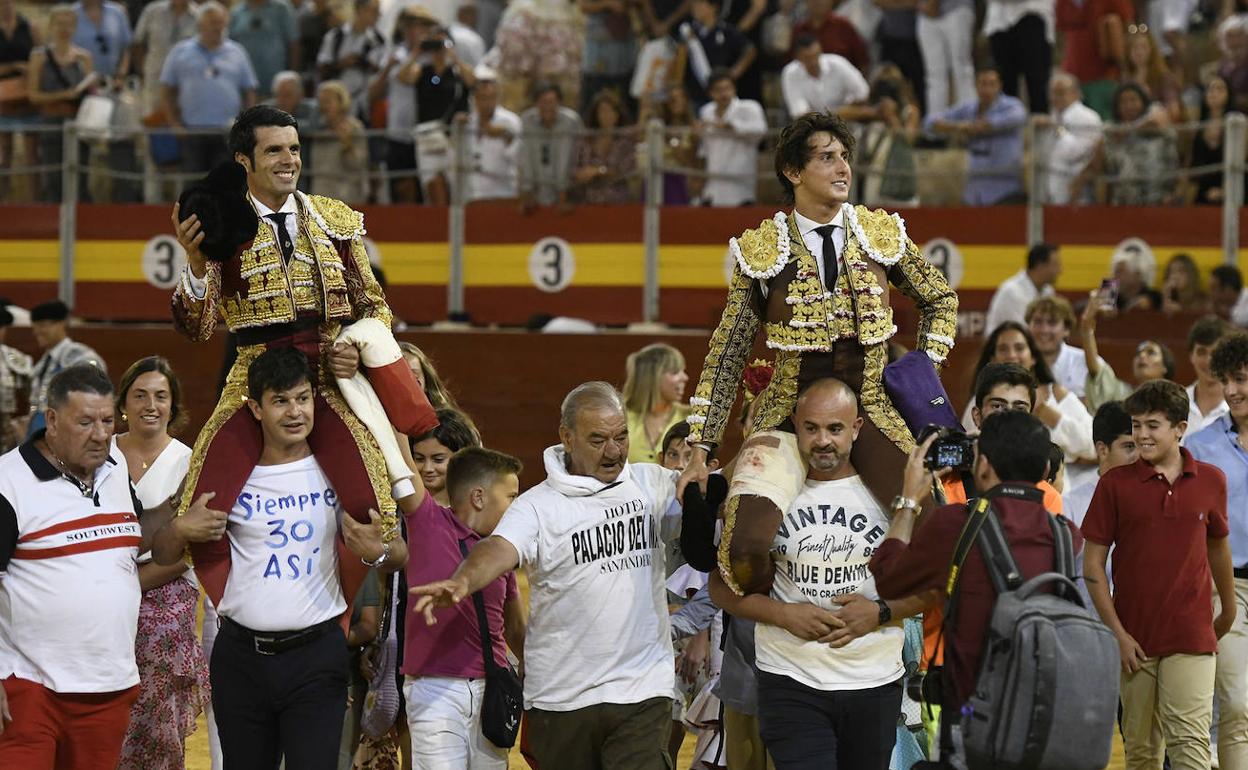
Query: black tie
{"type": "Point", "coordinates": [829, 256]}
{"type": "Point", "coordinates": [283, 236]}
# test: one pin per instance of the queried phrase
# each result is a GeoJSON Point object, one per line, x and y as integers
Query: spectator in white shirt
{"type": "Point", "coordinates": [397, 85]}
{"type": "Point", "coordinates": [468, 43]}
{"type": "Point", "coordinates": [161, 25]}
{"type": "Point", "coordinates": [352, 53]}
{"type": "Point", "coordinates": [494, 133]}
{"type": "Point", "coordinates": [1044, 265]}
{"type": "Point", "coordinates": [1228, 295]}
{"type": "Point", "coordinates": [1206, 402]}
{"type": "Point", "coordinates": [1051, 320]}
{"type": "Point", "coordinates": [819, 82]}
{"type": "Point", "coordinates": [598, 653]}
{"type": "Point", "coordinates": [731, 129]}
{"type": "Point", "coordinates": [1076, 133]}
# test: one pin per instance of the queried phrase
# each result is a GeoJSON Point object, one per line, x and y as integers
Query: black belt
{"type": "Point", "coordinates": [277, 642]}
{"type": "Point", "coordinates": [1241, 572]}
{"type": "Point", "coordinates": [263, 335]}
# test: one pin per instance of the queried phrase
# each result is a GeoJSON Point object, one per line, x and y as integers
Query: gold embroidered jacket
{"type": "Point", "coordinates": [329, 277]}
{"type": "Point", "coordinates": [801, 318]}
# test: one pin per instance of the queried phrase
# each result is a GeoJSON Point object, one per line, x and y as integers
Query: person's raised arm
{"type": "Point", "coordinates": [487, 560]}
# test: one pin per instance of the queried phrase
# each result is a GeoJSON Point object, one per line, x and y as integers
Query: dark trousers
{"type": "Point", "coordinates": [1024, 50]}
{"type": "Point", "coordinates": [605, 736]}
{"type": "Point", "coordinates": [269, 707]}
{"type": "Point", "coordinates": [808, 729]}
{"type": "Point", "coordinates": [202, 152]}
{"type": "Point", "coordinates": [905, 53]}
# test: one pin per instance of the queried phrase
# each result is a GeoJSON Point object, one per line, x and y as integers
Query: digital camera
{"type": "Point", "coordinates": [951, 449]}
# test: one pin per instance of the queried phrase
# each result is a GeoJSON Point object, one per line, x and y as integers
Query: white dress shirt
{"type": "Point", "coordinates": [495, 160]}
{"type": "Point", "coordinates": [1077, 132]}
{"type": "Point", "coordinates": [814, 243]}
{"type": "Point", "coordinates": [1011, 300]}
{"type": "Point", "coordinates": [1239, 313]}
{"type": "Point", "coordinates": [838, 83]}
{"type": "Point", "coordinates": [199, 287]}
{"type": "Point", "coordinates": [732, 151]}
{"type": "Point", "coordinates": [1195, 420]}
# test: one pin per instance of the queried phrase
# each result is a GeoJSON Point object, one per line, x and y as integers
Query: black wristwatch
{"type": "Point", "coordinates": [886, 614]}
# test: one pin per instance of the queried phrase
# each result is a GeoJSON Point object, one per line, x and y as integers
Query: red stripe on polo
{"type": "Point", "coordinates": [86, 522]}
{"type": "Point", "coordinates": [121, 541]}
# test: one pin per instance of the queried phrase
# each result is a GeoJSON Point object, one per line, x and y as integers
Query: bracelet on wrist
{"type": "Point", "coordinates": [385, 554]}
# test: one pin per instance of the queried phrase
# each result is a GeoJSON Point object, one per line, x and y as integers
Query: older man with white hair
{"type": "Point", "coordinates": [597, 654]}
{"type": "Point", "coordinates": [205, 82]}
{"type": "Point", "coordinates": [1076, 133]}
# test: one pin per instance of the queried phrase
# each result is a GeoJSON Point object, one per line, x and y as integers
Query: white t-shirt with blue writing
{"type": "Point", "coordinates": [821, 550]}
{"type": "Point", "coordinates": [598, 627]}
{"type": "Point", "coordinates": [283, 552]}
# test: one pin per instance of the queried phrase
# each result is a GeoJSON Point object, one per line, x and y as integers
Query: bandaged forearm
{"type": "Point", "coordinates": [768, 477]}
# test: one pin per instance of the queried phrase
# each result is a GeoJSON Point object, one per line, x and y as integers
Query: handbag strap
{"type": "Point", "coordinates": [478, 600]}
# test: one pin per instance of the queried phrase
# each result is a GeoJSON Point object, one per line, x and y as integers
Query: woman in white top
{"type": "Point", "coordinates": [171, 662]}
{"type": "Point", "coordinates": [1069, 421]}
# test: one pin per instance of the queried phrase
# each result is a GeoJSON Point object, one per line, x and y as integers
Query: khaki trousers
{"type": "Point", "coordinates": [1230, 685]}
{"type": "Point", "coordinates": [743, 746]}
{"type": "Point", "coordinates": [1166, 709]}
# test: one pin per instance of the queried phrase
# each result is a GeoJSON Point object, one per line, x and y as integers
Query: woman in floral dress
{"type": "Point", "coordinates": [174, 674]}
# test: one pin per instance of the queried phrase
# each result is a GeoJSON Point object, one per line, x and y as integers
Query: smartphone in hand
{"type": "Point", "coordinates": [1108, 293]}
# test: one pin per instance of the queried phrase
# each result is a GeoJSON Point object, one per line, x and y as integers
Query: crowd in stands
{"type": "Point", "coordinates": [1129, 97]}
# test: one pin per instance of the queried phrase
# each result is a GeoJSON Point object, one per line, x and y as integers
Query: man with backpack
{"type": "Point", "coordinates": [1165, 514]}
{"type": "Point", "coordinates": [981, 553]}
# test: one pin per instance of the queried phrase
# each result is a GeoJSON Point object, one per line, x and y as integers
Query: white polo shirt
{"type": "Point", "coordinates": [69, 584]}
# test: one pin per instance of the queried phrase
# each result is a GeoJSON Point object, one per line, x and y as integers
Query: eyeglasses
{"type": "Point", "coordinates": [1137, 29]}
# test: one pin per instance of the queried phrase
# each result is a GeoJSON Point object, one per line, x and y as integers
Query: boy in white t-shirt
{"type": "Point", "coordinates": [279, 663]}
{"type": "Point", "coordinates": [829, 659]}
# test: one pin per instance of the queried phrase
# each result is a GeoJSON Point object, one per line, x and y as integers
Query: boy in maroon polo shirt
{"type": "Point", "coordinates": [1166, 515]}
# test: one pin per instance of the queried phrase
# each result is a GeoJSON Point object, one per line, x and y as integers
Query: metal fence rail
{"type": "Point", "coordinates": [651, 165]}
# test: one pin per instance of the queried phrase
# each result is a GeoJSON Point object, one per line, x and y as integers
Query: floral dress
{"type": "Point", "coordinates": [173, 687]}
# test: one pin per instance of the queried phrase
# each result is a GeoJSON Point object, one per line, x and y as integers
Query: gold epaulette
{"type": "Point", "coordinates": [763, 251]}
{"type": "Point", "coordinates": [881, 235]}
{"type": "Point", "coordinates": [337, 219]}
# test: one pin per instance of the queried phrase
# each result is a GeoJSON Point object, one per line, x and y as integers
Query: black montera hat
{"type": "Point", "coordinates": [50, 311]}
{"type": "Point", "coordinates": [220, 201]}
{"type": "Point", "coordinates": [6, 318]}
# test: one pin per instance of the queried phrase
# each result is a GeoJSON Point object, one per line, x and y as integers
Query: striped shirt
{"type": "Point", "coordinates": [69, 586]}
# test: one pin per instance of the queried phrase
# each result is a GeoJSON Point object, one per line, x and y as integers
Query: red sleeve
{"type": "Point", "coordinates": [1218, 524]}
{"type": "Point", "coordinates": [1100, 524]}
{"type": "Point", "coordinates": [902, 570]}
{"type": "Point", "coordinates": [860, 55]}
{"type": "Point", "coordinates": [1066, 16]}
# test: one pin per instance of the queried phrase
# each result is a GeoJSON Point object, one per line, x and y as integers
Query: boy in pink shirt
{"type": "Point", "coordinates": [443, 663]}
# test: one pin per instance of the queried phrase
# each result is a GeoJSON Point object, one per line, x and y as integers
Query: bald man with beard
{"type": "Point", "coordinates": [828, 649]}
